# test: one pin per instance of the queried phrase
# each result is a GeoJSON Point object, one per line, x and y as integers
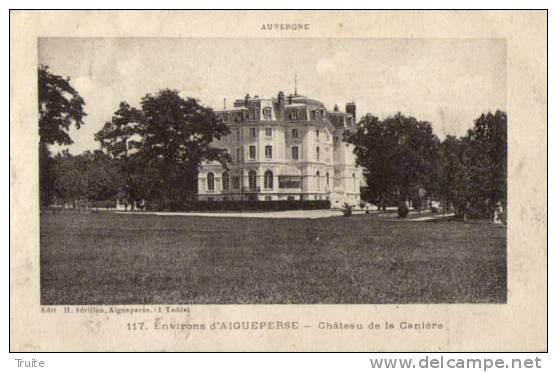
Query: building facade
{"type": "Point", "coordinates": [284, 148]}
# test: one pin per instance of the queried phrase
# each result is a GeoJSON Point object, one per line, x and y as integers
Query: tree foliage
{"type": "Point", "coordinates": [116, 136]}
{"type": "Point", "coordinates": [398, 155]}
{"type": "Point", "coordinates": [163, 144]}
{"type": "Point", "coordinates": [482, 176]}
{"type": "Point", "coordinates": [92, 176]}
{"type": "Point", "coordinates": [60, 106]}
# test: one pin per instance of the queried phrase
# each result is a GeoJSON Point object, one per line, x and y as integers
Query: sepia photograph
{"type": "Point", "coordinates": [272, 171]}
{"type": "Point", "coordinates": [278, 181]}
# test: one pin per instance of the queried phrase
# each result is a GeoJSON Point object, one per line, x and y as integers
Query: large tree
{"type": "Point", "coordinates": [175, 138]}
{"type": "Point", "coordinates": [60, 107]}
{"type": "Point", "coordinates": [120, 138]}
{"type": "Point", "coordinates": [398, 154]}
{"type": "Point", "coordinates": [485, 164]}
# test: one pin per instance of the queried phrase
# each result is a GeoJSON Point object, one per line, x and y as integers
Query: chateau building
{"type": "Point", "coordinates": [284, 148]}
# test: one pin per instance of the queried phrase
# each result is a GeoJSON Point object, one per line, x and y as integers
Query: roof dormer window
{"type": "Point", "coordinates": [253, 114]}
{"type": "Point", "coordinates": [294, 115]}
{"type": "Point", "coordinates": [267, 113]}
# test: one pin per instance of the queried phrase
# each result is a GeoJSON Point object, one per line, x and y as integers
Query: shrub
{"type": "Point", "coordinates": [403, 210]}
{"type": "Point", "coordinates": [417, 203]}
{"type": "Point", "coordinates": [347, 210]}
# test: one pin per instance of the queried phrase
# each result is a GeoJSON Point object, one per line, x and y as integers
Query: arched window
{"type": "Point", "coordinates": [354, 181]}
{"type": "Point", "coordinates": [268, 180]}
{"type": "Point", "coordinates": [225, 181]}
{"type": "Point", "coordinates": [327, 175]}
{"type": "Point", "coordinates": [252, 179]}
{"type": "Point", "coordinates": [318, 176]}
{"type": "Point", "coordinates": [210, 181]}
{"type": "Point", "coordinates": [317, 152]}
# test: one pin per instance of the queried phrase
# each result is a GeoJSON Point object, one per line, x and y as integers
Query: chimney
{"type": "Point", "coordinates": [247, 98]}
{"type": "Point", "coordinates": [351, 109]}
{"type": "Point", "coordinates": [290, 99]}
{"type": "Point", "coordinates": [335, 108]}
{"type": "Point", "coordinates": [280, 99]}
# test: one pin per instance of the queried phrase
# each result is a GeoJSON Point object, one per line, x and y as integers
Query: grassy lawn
{"type": "Point", "coordinates": [103, 258]}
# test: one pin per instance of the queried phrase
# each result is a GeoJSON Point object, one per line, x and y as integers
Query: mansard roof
{"type": "Point", "coordinates": [337, 118]}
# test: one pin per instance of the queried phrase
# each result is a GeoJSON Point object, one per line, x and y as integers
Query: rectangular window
{"type": "Point", "coordinates": [295, 155]}
{"type": "Point", "coordinates": [238, 137]}
{"type": "Point", "coordinates": [253, 132]}
{"type": "Point", "coordinates": [236, 182]}
{"type": "Point", "coordinates": [294, 133]}
{"type": "Point", "coordinates": [238, 155]}
{"type": "Point", "coordinates": [289, 182]}
{"type": "Point", "coordinates": [268, 132]}
{"type": "Point", "coordinates": [252, 152]}
{"type": "Point", "coordinates": [312, 115]}
{"type": "Point", "coordinates": [317, 133]}
{"type": "Point", "coordinates": [268, 152]}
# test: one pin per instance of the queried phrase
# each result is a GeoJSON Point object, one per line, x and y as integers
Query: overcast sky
{"type": "Point", "coordinates": [448, 82]}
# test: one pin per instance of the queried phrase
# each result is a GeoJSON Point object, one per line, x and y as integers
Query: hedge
{"type": "Point", "coordinates": [239, 205]}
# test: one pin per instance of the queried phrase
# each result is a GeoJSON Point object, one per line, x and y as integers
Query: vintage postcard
{"type": "Point", "coordinates": [278, 181]}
